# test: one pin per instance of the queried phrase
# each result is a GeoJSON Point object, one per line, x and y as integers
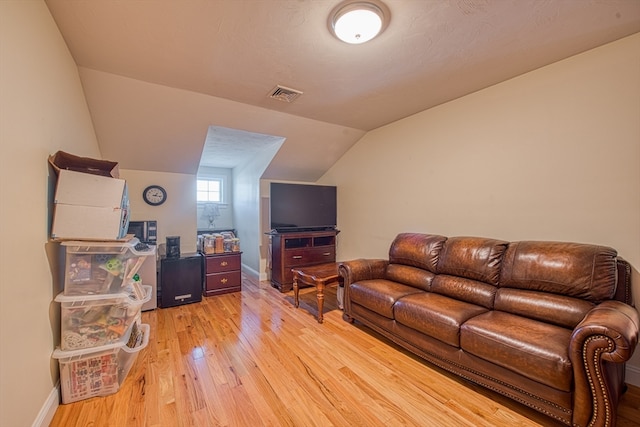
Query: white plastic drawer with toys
{"type": "Point", "coordinates": [97, 320]}
{"type": "Point", "coordinates": [102, 370]}
{"type": "Point", "coordinates": [96, 268]}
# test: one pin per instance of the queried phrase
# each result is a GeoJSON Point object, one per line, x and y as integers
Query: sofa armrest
{"type": "Point", "coordinates": [608, 333]}
{"type": "Point", "coordinates": [362, 269]}
{"type": "Point", "coordinates": [356, 270]}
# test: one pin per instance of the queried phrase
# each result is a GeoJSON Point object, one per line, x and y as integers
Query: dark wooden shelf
{"type": "Point", "coordinates": [298, 249]}
{"type": "Point", "coordinates": [222, 273]}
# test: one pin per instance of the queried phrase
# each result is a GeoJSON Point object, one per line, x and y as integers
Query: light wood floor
{"type": "Point", "coordinates": [252, 359]}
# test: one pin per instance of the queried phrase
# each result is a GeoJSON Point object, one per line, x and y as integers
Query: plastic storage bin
{"type": "Point", "coordinates": [128, 355]}
{"type": "Point", "coordinates": [97, 371]}
{"type": "Point", "coordinates": [97, 320]}
{"type": "Point", "coordinates": [97, 268]}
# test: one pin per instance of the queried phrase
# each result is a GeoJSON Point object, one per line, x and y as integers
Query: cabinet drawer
{"type": "Point", "coordinates": [226, 280]}
{"type": "Point", "coordinates": [219, 264]}
{"type": "Point", "coordinates": [309, 256]}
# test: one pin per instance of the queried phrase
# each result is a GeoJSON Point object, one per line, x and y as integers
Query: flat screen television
{"type": "Point", "coordinates": [303, 207]}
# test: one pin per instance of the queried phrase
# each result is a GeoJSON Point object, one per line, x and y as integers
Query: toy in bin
{"type": "Point", "coordinates": [92, 326]}
{"type": "Point", "coordinates": [138, 340]}
{"type": "Point", "coordinates": [136, 287]}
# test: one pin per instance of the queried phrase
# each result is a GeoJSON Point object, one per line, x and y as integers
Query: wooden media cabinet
{"type": "Point", "coordinates": [298, 249]}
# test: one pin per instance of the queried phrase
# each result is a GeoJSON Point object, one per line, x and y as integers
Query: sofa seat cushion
{"type": "Point", "coordinates": [560, 310]}
{"type": "Point", "coordinates": [435, 315]}
{"type": "Point", "coordinates": [379, 295]}
{"type": "Point", "coordinates": [536, 350]}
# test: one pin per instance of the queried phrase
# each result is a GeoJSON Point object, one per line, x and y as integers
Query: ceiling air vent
{"type": "Point", "coordinates": [285, 94]}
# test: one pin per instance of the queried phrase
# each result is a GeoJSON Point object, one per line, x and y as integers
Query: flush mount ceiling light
{"type": "Point", "coordinates": [358, 22]}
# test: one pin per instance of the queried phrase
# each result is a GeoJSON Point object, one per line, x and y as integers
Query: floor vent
{"type": "Point", "coordinates": [285, 94]}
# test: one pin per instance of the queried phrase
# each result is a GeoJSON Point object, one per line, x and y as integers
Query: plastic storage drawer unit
{"type": "Point", "coordinates": [95, 268]}
{"type": "Point", "coordinates": [128, 354]}
{"type": "Point", "coordinates": [97, 371]}
{"type": "Point", "coordinates": [96, 320]}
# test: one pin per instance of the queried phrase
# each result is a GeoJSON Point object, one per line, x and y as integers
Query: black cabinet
{"type": "Point", "coordinates": [180, 280]}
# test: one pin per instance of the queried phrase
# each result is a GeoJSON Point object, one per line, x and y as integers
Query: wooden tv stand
{"type": "Point", "coordinates": [298, 249]}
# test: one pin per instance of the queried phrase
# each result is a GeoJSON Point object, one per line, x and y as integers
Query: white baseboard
{"type": "Point", "coordinates": [632, 375]}
{"type": "Point", "coordinates": [250, 271]}
{"type": "Point", "coordinates": [48, 410]}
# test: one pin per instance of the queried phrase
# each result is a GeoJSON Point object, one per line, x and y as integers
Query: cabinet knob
{"type": "Point", "coordinates": [224, 263]}
{"type": "Point", "coordinates": [327, 254]}
{"type": "Point", "coordinates": [224, 281]}
{"type": "Point", "coordinates": [297, 257]}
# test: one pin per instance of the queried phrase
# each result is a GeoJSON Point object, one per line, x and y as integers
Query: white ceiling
{"type": "Point", "coordinates": [158, 74]}
{"type": "Point", "coordinates": [227, 148]}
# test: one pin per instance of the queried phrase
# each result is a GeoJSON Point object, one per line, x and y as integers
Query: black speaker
{"type": "Point", "coordinates": [173, 246]}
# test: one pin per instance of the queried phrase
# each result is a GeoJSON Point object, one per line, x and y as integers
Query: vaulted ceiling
{"type": "Point", "coordinates": [159, 74]}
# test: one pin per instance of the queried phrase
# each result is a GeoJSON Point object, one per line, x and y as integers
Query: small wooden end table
{"type": "Point", "coordinates": [315, 275]}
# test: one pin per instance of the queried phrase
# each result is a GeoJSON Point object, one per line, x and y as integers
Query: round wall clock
{"type": "Point", "coordinates": [154, 195]}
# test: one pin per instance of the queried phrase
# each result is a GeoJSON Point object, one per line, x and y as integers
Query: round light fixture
{"type": "Point", "coordinates": [358, 22]}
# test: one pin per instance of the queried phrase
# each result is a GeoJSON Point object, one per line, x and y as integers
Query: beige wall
{"type": "Point", "coordinates": [176, 216]}
{"type": "Point", "coordinates": [247, 209]}
{"type": "Point", "coordinates": [553, 154]}
{"type": "Point", "coordinates": [42, 110]}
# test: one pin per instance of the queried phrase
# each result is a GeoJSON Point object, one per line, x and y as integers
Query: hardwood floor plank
{"type": "Point", "coordinates": [135, 413]}
{"type": "Point", "coordinates": [214, 404]}
{"type": "Point", "coordinates": [252, 359]}
{"type": "Point", "coordinates": [629, 409]}
{"type": "Point", "coordinates": [377, 410]}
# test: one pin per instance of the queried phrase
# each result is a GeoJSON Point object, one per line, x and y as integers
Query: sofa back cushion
{"type": "Point", "coordinates": [576, 270]}
{"type": "Point", "coordinates": [473, 258]}
{"type": "Point", "coordinates": [468, 290]}
{"type": "Point", "coordinates": [416, 250]}
{"type": "Point", "coordinates": [412, 276]}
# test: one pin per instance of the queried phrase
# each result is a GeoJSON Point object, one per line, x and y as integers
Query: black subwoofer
{"type": "Point", "coordinates": [173, 246]}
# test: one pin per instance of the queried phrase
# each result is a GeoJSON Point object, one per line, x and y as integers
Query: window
{"type": "Point", "coordinates": [209, 190]}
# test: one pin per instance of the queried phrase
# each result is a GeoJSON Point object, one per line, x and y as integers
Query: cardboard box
{"type": "Point", "coordinates": [90, 207]}
{"type": "Point", "coordinates": [65, 161]}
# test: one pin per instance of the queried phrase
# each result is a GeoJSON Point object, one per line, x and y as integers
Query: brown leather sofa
{"type": "Point", "coordinates": [548, 324]}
